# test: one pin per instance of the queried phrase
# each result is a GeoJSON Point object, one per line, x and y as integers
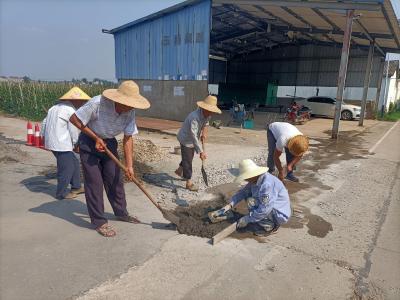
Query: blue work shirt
{"type": "Point", "coordinates": [269, 193]}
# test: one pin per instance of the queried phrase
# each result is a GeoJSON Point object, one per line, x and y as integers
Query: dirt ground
{"type": "Point", "coordinates": [341, 242]}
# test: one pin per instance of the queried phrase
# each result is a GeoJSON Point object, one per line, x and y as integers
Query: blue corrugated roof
{"type": "Point", "coordinates": [156, 15]}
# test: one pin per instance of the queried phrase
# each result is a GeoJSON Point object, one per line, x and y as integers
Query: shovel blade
{"type": "Point", "coordinates": [170, 216]}
{"type": "Point", "coordinates": [203, 172]}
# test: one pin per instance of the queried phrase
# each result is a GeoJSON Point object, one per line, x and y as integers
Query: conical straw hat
{"type": "Point", "coordinates": [127, 94]}
{"type": "Point", "coordinates": [298, 145]}
{"type": "Point", "coordinates": [210, 104]}
{"type": "Point", "coordinates": [75, 94]}
{"type": "Point", "coordinates": [249, 169]}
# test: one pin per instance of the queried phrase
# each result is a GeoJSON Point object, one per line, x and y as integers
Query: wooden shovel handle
{"type": "Point", "coordinates": [135, 181]}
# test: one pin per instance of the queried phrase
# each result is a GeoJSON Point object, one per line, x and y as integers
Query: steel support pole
{"type": "Point", "coordinates": [367, 80]}
{"type": "Point", "coordinates": [379, 84]}
{"type": "Point", "coordinates": [342, 72]}
{"type": "Point", "coordinates": [385, 95]}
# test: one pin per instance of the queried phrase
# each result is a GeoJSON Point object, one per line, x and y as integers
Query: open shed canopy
{"type": "Point", "coordinates": [243, 26]}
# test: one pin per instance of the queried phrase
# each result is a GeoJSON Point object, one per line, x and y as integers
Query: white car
{"type": "Point", "coordinates": [325, 106]}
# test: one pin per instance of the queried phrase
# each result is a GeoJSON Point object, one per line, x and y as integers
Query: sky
{"type": "Point", "coordinates": [62, 39]}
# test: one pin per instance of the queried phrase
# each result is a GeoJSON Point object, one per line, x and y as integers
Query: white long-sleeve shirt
{"type": "Point", "coordinates": [59, 133]}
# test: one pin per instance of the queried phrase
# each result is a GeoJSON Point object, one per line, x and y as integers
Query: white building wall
{"type": "Point", "coordinates": [392, 93]}
{"type": "Point", "coordinates": [350, 93]}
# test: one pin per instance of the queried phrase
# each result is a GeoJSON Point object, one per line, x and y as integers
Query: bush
{"type": "Point", "coordinates": [391, 106]}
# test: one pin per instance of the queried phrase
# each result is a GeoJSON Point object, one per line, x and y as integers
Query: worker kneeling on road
{"type": "Point", "coordinates": [100, 120]}
{"type": "Point", "coordinates": [267, 200]}
{"type": "Point", "coordinates": [193, 129]}
{"type": "Point", "coordinates": [282, 135]}
{"type": "Point", "coordinates": [61, 137]}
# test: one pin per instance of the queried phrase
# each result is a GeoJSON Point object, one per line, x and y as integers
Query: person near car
{"type": "Point", "coordinates": [286, 137]}
{"type": "Point", "coordinates": [61, 137]}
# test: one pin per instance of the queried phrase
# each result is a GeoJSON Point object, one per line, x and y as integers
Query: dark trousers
{"type": "Point", "coordinates": [187, 161]}
{"type": "Point", "coordinates": [68, 172]}
{"type": "Point", "coordinates": [271, 149]}
{"type": "Point", "coordinates": [98, 171]}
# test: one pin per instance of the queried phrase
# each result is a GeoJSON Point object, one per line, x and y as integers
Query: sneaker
{"type": "Point", "coordinates": [70, 196]}
{"type": "Point", "coordinates": [291, 177]}
{"type": "Point", "coordinates": [192, 188]}
{"type": "Point", "coordinates": [81, 190]}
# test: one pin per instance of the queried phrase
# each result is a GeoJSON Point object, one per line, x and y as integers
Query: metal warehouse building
{"type": "Point", "coordinates": [259, 50]}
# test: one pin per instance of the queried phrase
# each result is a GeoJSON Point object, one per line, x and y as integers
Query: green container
{"type": "Point", "coordinates": [248, 124]}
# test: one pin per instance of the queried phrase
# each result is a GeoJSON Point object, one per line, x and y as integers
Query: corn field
{"type": "Point", "coordinates": [31, 100]}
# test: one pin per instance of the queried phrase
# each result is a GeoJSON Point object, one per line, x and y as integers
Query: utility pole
{"type": "Point", "coordinates": [342, 72]}
{"type": "Point", "coordinates": [367, 80]}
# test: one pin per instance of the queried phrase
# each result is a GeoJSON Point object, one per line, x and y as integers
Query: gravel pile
{"type": "Point", "coordinates": [10, 153]}
{"type": "Point", "coordinates": [145, 152]}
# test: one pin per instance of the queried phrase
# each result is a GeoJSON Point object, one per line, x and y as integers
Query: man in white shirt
{"type": "Point", "coordinates": [282, 135]}
{"type": "Point", "coordinates": [61, 136]}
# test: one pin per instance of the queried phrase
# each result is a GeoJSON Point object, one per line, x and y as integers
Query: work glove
{"type": "Point", "coordinates": [219, 215]}
{"type": "Point", "coordinates": [242, 222]}
{"type": "Point", "coordinates": [221, 212]}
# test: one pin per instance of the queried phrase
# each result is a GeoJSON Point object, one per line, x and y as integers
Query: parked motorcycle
{"type": "Point", "coordinates": [297, 115]}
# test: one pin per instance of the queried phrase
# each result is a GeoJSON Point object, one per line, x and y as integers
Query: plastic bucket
{"type": "Point", "coordinates": [248, 124]}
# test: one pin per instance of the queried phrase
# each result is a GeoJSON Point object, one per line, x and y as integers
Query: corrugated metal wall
{"type": "Point", "coordinates": [302, 66]}
{"type": "Point", "coordinates": [172, 47]}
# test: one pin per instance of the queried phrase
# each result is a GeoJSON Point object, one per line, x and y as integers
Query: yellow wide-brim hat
{"type": "Point", "coordinates": [127, 94]}
{"type": "Point", "coordinates": [298, 145]}
{"type": "Point", "coordinates": [249, 169]}
{"type": "Point", "coordinates": [75, 94]}
{"type": "Point", "coordinates": [210, 104]}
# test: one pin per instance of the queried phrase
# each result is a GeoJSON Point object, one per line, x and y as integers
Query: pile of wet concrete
{"type": "Point", "coordinates": [193, 219]}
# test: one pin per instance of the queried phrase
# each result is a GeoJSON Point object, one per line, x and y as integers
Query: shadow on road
{"type": "Point", "coordinates": [73, 211]}
{"type": "Point", "coordinates": [163, 180]}
{"type": "Point", "coordinates": [39, 184]}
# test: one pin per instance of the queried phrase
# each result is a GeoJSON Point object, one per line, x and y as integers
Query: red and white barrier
{"type": "Point", "coordinates": [29, 134]}
{"type": "Point", "coordinates": [37, 136]}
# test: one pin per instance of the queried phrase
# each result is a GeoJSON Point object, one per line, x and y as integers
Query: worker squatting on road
{"type": "Point", "coordinates": [267, 200]}
{"type": "Point", "coordinates": [282, 135]}
{"type": "Point", "coordinates": [61, 137]}
{"type": "Point", "coordinates": [100, 120]}
{"type": "Point", "coordinates": [193, 129]}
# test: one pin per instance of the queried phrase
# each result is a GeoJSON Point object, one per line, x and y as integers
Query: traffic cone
{"type": "Point", "coordinates": [29, 134]}
{"type": "Point", "coordinates": [37, 136]}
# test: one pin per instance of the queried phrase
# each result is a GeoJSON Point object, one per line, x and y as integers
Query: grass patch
{"type": "Point", "coordinates": [392, 116]}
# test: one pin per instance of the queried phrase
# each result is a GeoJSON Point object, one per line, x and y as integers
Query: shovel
{"type": "Point", "coordinates": [167, 214]}
{"type": "Point", "coordinates": [203, 171]}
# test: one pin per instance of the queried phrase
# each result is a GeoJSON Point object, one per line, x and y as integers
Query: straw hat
{"type": "Point", "coordinates": [298, 145]}
{"type": "Point", "coordinates": [249, 169]}
{"type": "Point", "coordinates": [210, 104]}
{"type": "Point", "coordinates": [127, 94]}
{"type": "Point", "coordinates": [75, 94]}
